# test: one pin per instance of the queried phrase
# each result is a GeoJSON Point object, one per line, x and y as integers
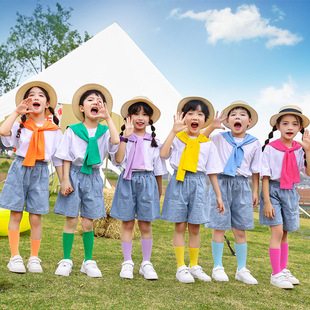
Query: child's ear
{"type": "Point", "coordinates": [81, 107]}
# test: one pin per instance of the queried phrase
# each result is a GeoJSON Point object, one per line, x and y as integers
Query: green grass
{"type": "Point", "coordinates": [47, 291]}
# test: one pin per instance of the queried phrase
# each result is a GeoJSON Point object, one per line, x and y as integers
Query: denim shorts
{"type": "Point", "coordinates": [28, 185]}
{"type": "Point", "coordinates": [87, 194]}
{"type": "Point", "coordinates": [238, 202]}
{"type": "Point", "coordinates": [286, 206]}
{"type": "Point", "coordinates": [186, 201]}
{"type": "Point", "coordinates": [136, 198]}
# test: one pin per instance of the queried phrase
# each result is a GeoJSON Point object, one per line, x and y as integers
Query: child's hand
{"type": "Point", "coordinates": [22, 109]}
{"type": "Point", "coordinates": [102, 111]}
{"type": "Point", "coordinates": [220, 206]}
{"type": "Point", "coordinates": [305, 143]}
{"type": "Point", "coordinates": [218, 120]}
{"type": "Point", "coordinates": [128, 127]}
{"type": "Point", "coordinates": [268, 211]}
{"type": "Point", "coordinates": [255, 199]}
{"type": "Point", "coordinates": [66, 188]}
{"type": "Point", "coordinates": [179, 124]}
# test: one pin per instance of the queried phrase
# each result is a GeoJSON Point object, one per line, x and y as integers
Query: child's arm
{"type": "Point", "coordinates": [159, 179]}
{"type": "Point", "coordinates": [215, 184]}
{"type": "Point", "coordinates": [59, 170]}
{"type": "Point", "coordinates": [65, 185]}
{"type": "Point", "coordinates": [255, 193]}
{"type": "Point", "coordinates": [216, 124]}
{"type": "Point", "coordinates": [268, 207]}
{"type": "Point", "coordinates": [22, 109]}
{"type": "Point", "coordinates": [306, 146]}
{"type": "Point", "coordinates": [178, 126]}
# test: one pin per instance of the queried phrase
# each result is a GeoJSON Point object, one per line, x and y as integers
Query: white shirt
{"type": "Point", "coordinates": [153, 162]}
{"type": "Point", "coordinates": [52, 139]}
{"type": "Point", "coordinates": [251, 162]}
{"type": "Point", "coordinates": [208, 159]}
{"type": "Point", "coordinates": [273, 159]}
{"type": "Point", "coordinates": [73, 148]}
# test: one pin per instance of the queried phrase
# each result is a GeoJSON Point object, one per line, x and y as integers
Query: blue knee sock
{"type": "Point", "coordinates": [241, 253]}
{"type": "Point", "coordinates": [217, 252]}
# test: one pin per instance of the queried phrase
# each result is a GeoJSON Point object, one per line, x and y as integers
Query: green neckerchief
{"type": "Point", "coordinates": [92, 155]}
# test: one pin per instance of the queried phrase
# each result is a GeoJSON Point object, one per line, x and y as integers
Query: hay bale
{"type": "Point", "coordinates": [108, 227]}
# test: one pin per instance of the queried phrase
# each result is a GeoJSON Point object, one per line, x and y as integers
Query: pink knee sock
{"type": "Point", "coordinates": [275, 255]}
{"type": "Point", "coordinates": [284, 255]}
{"type": "Point", "coordinates": [146, 248]}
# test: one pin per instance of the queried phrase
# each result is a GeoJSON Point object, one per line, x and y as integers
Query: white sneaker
{"type": "Point", "coordinates": [183, 275]}
{"type": "Point", "coordinates": [197, 272]}
{"type": "Point", "coordinates": [34, 265]}
{"type": "Point", "coordinates": [148, 271]}
{"type": "Point", "coordinates": [218, 274]}
{"type": "Point", "coordinates": [244, 275]}
{"type": "Point", "coordinates": [280, 280]}
{"type": "Point", "coordinates": [64, 267]}
{"type": "Point", "coordinates": [91, 269]}
{"type": "Point", "coordinates": [16, 264]}
{"type": "Point", "coordinates": [127, 269]}
{"type": "Point", "coordinates": [290, 277]}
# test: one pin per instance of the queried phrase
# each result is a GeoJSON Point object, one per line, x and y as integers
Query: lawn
{"type": "Point", "coordinates": [47, 291]}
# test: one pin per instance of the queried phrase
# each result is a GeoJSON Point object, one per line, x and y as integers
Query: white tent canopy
{"type": "Point", "coordinates": [113, 60]}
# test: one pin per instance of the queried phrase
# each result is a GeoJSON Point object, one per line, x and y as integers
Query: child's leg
{"type": "Point", "coordinates": [146, 239]}
{"type": "Point", "coordinates": [13, 232]}
{"type": "Point", "coordinates": [179, 242]}
{"type": "Point", "coordinates": [193, 243]}
{"type": "Point", "coordinates": [284, 251]}
{"type": "Point", "coordinates": [275, 247]}
{"type": "Point", "coordinates": [88, 237]}
{"type": "Point", "coordinates": [217, 247]}
{"type": "Point", "coordinates": [126, 237]}
{"type": "Point", "coordinates": [68, 235]}
{"type": "Point", "coordinates": [36, 233]}
{"type": "Point", "coordinates": [240, 247]}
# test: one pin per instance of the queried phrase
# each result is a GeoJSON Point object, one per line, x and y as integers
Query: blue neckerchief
{"type": "Point", "coordinates": [235, 159]}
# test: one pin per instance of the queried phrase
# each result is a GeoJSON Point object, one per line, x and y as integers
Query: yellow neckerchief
{"type": "Point", "coordinates": [189, 158]}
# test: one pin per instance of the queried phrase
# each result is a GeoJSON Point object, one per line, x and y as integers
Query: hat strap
{"type": "Point", "coordinates": [290, 110]}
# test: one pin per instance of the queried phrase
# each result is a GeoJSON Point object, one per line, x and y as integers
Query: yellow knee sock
{"type": "Point", "coordinates": [179, 253]}
{"type": "Point", "coordinates": [193, 256]}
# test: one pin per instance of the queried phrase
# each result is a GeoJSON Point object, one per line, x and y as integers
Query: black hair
{"type": "Point", "coordinates": [274, 128]}
{"type": "Point", "coordinates": [136, 107]}
{"type": "Point", "coordinates": [192, 106]}
{"type": "Point", "coordinates": [24, 118]}
{"type": "Point", "coordinates": [242, 108]}
{"type": "Point", "coordinates": [90, 92]}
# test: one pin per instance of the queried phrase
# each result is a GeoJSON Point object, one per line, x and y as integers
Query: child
{"type": "Point", "coordinates": [139, 187]}
{"type": "Point", "coordinates": [240, 155]}
{"type": "Point", "coordinates": [83, 148]}
{"type": "Point", "coordinates": [35, 140]}
{"type": "Point", "coordinates": [192, 156]}
{"type": "Point", "coordinates": [282, 161]}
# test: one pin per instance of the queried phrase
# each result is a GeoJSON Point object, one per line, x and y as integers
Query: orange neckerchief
{"type": "Point", "coordinates": [36, 149]}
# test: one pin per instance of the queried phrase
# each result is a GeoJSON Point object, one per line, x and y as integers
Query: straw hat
{"type": "Point", "coordinates": [242, 104]}
{"type": "Point", "coordinates": [127, 104]}
{"type": "Point", "coordinates": [290, 109]}
{"type": "Point", "coordinates": [78, 94]}
{"type": "Point", "coordinates": [205, 101]}
{"type": "Point", "coordinates": [50, 90]}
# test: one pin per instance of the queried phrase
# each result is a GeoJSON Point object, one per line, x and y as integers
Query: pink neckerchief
{"type": "Point", "coordinates": [290, 171]}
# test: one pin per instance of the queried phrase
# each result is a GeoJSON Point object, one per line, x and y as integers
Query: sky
{"type": "Point", "coordinates": [255, 51]}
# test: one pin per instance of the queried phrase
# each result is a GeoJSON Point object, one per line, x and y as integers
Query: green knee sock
{"type": "Point", "coordinates": [67, 242]}
{"type": "Point", "coordinates": [88, 240]}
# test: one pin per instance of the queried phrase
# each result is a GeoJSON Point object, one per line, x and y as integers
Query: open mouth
{"type": "Point", "coordinates": [94, 111]}
{"type": "Point", "coordinates": [36, 104]}
{"type": "Point", "coordinates": [194, 125]}
{"type": "Point", "coordinates": [237, 125]}
{"type": "Point", "coordinates": [289, 133]}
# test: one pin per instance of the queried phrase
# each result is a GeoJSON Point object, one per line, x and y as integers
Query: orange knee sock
{"type": "Point", "coordinates": [14, 241]}
{"type": "Point", "coordinates": [35, 247]}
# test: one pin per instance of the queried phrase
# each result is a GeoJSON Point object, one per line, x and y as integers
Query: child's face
{"type": "Point", "coordinates": [194, 119]}
{"type": "Point", "coordinates": [238, 122]}
{"type": "Point", "coordinates": [289, 127]}
{"type": "Point", "coordinates": [39, 102]}
{"type": "Point", "coordinates": [140, 120]}
{"type": "Point", "coordinates": [90, 106]}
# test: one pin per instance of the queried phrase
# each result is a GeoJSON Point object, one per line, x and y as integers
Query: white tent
{"type": "Point", "coordinates": [113, 60]}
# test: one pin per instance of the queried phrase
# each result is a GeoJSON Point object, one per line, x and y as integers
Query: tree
{"type": "Point", "coordinates": [39, 40]}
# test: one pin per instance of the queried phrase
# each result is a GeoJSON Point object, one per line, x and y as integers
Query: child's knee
{"type": "Point", "coordinates": [87, 224]}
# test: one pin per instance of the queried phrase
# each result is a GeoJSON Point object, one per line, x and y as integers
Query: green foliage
{"type": "Point", "coordinates": [5, 164]}
{"type": "Point", "coordinates": [8, 75]}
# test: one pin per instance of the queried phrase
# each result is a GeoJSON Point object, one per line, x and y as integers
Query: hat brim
{"type": "Point", "coordinates": [205, 101]}
{"type": "Point", "coordinates": [127, 104]}
{"type": "Point", "coordinates": [49, 89]}
{"type": "Point", "coordinates": [305, 120]}
{"type": "Point", "coordinates": [242, 104]}
{"type": "Point", "coordinates": [78, 94]}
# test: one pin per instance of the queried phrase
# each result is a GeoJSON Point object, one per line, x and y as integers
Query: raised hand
{"type": "Point", "coordinates": [102, 110]}
{"type": "Point", "coordinates": [23, 109]}
{"type": "Point", "coordinates": [218, 120]}
{"type": "Point", "coordinates": [305, 143]}
{"type": "Point", "coordinates": [128, 127]}
{"type": "Point", "coordinates": [179, 123]}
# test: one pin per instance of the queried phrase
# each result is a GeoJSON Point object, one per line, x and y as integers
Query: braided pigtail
{"type": "Point", "coordinates": [21, 126]}
{"type": "Point", "coordinates": [305, 158]}
{"type": "Point", "coordinates": [153, 143]}
{"type": "Point", "coordinates": [55, 118]}
{"type": "Point", "coordinates": [123, 128]}
{"type": "Point", "coordinates": [270, 136]}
